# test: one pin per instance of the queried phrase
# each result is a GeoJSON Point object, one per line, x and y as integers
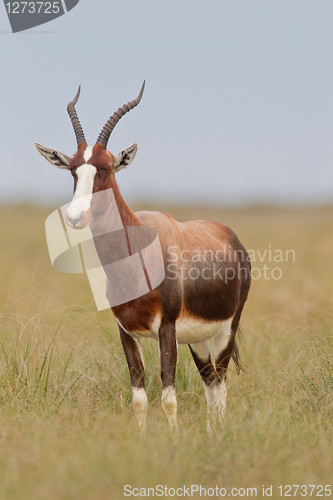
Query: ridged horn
{"type": "Point", "coordinates": [104, 136]}
{"type": "Point", "coordinates": [74, 119]}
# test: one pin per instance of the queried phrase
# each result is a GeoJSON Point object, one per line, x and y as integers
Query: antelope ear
{"type": "Point", "coordinates": [56, 158]}
{"type": "Point", "coordinates": [124, 158]}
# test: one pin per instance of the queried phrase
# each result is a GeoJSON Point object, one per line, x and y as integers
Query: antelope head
{"type": "Point", "coordinates": [92, 168]}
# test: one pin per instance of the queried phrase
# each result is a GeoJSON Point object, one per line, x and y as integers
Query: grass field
{"type": "Point", "coordinates": [67, 429]}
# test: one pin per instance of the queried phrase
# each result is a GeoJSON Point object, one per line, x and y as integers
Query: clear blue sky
{"type": "Point", "coordinates": [238, 104]}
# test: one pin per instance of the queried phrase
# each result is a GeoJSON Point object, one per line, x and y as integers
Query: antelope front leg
{"type": "Point", "coordinates": [134, 357]}
{"type": "Point", "coordinates": [168, 353]}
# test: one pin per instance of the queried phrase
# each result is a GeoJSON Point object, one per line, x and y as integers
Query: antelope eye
{"type": "Point", "coordinates": [104, 169]}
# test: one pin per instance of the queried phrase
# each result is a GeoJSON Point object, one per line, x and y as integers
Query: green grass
{"type": "Point", "coordinates": [67, 429]}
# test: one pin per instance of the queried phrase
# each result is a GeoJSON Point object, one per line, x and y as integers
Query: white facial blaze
{"type": "Point", "coordinates": [87, 153]}
{"type": "Point", "coordinates": [84, 188]}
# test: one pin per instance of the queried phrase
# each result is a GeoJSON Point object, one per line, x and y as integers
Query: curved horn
{"type": "Point", "coordinates": [104, 136]}
{"type": "Point", "coordinates": [74, 119]}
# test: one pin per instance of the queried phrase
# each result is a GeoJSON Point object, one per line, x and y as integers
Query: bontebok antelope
{"type": "Point", "coordinates": [206, 283]}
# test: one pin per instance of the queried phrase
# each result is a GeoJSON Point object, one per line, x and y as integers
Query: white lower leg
{"type": "Point", "coordinates": [221, 398]}
{"type": "Point", "coordinates": [216, 396]}
{"type": "Point", "coordinates": [169, 405]}
{"type": "Point", "coordinates": [140, 405]}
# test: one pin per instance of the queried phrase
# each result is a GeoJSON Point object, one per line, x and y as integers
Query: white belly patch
{"type": "Point", "coordinates": [191, 330]}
